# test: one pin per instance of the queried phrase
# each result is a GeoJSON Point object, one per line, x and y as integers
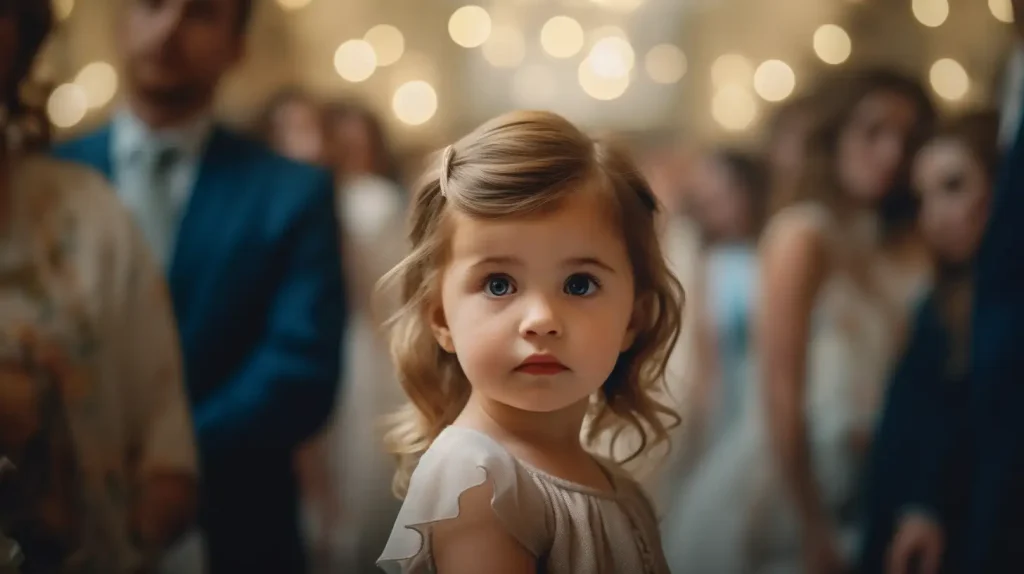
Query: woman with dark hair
{"type": "Point", "coordinates": [785, 148]}
{"type": "Point", "coordinates": [953, 174]}
{"type": "Point", "coordinates": [784, 485]}
{"type": "Point", "coordinates": [95, 437]}
{"type": "Point", "coordinates": [728, 201]}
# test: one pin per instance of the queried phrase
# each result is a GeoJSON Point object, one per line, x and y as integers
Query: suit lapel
{"type": "Point", "coordinates": [199, 234]}
{"type": "Point", "coordinates": [100, 153]}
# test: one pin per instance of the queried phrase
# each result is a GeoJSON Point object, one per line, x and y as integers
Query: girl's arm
{"type": "Point", "coordinates": [476, 540]}
{"type": "Point", "coordinates": [793, 265]}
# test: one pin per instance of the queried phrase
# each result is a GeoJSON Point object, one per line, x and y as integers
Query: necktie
{"type": "Point", "coordinates": [155, 210]}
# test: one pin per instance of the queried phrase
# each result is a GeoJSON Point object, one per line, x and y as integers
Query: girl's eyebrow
{"type": "Point", "coordinates": [594, 261]}
{"type": "Point", "coordinates": [496, 260]}
{"type": "Point", "coordinates": [571, 262]}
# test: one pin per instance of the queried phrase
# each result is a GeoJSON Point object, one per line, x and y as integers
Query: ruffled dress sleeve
{"type": "Point", "coordinates": [458, 460]}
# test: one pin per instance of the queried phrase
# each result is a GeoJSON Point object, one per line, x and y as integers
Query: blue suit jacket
{"type": "Point", "coordinates": [992, 539]}
{"type": "Point", "coordinates": [996, 540]}
{"type": "Point", "coordinates": [257, 289]}
{"type": "Point", "coordinates": [925, 407]}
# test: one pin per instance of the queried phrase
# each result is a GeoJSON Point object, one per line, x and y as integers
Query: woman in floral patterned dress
{"type": "Point", "coordinates": [95, 435]}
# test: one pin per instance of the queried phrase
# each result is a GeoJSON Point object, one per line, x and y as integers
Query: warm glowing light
{"type": "Point", "coordinates": [607, 32]}
{"type": "Point", "coordinates": [611, 57]}
{"type": "Point", "coordinates": [665, 64]}
{"type": "Point", "coordinates": [1002, 10]}
{"type": "Point", "coordinates": [67, 105]}
{"type": "Point", "coordinates": [622, 6]}
{"type": "Point", "coordinates": [506, 47]}
{"type": "Point", "coordinates": [470, 26]}
{"type": "Point", "coordinates": [774, 80]}
{"type": "Point", "coordinates": [931, 13]}
{"type": "Point", "coordinates": [600, 87]}
{"type": "Point", "coordinates": [387, 42]}
{"type": "Point", "coordinates": [949, 79]}
{"type": "Point", "coordinates": [733, 108]}
{"type": "Point", "coordinates": [414, 103]}
{"type": "Point", "coordinates": [832, 44]}
{"type": "Point", "coordinates": [62, 9]}
{"type": "Point", "coordinates": [731, 69]}
{"type": "Point", "coordinates": [562, 37]}
{"type": "Point", "coordinates": [355, 60]}
{"type": "Point", "coordinates": [99, 82]}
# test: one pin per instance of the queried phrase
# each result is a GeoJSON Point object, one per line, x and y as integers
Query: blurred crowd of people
{"type": "Point", "coordinates": [193, 339]}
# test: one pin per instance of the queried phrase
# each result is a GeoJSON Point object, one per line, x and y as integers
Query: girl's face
{"type": "Point", "coordinates": [537, 309]}
{"type": "Point", "coordinates": [721, 208]}
{"type": "Point", "coordinates": [873, 144]}
{"type": "Point", "coordinates": [955, 192]}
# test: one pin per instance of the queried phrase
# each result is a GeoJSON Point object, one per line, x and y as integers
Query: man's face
{"type": "Point", "coordinates": [179, 49]}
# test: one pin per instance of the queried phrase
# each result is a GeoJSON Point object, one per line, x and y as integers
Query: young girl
{"type": "Point", "coordinates": [535, 294]}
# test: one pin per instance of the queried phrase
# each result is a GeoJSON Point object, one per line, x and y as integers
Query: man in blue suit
{"type": "Point", "coordinates": [991, 538]}
{"type": "Point", "coordinates": [251, 245]}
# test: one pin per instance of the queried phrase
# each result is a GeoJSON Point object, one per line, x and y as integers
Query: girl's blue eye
{"type": "Point", "coordinates": [580, 285]}
{"type": "Point", "coordinates": [499, 286]}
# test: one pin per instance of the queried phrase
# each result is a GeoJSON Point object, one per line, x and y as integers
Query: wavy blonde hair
{"type": "Point", "coordinates": [514, 165]}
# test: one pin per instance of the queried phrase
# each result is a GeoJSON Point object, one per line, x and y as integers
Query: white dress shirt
{"type": "Point", "coordinates": [157, 200]}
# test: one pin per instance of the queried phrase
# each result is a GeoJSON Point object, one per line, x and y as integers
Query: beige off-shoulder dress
{"type": "Point", "coordinates": [570, 528]}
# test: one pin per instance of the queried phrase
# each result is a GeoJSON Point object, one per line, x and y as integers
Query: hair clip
{"type": "Point", "coordinates": [446, 168]}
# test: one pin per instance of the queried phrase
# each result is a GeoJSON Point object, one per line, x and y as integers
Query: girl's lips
{"type": "Point", "coordinates": [541, 364]}
{"type": "Point", "coordinates": [541, 368]}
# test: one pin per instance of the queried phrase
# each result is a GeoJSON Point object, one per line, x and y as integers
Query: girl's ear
{"type": "Point", "coordinates": [636, 321]}
{"type": "Point", "coordinates": [439, 326]}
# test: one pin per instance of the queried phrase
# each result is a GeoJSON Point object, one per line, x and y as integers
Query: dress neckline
{"type": "Point", "coordinates": [563, 483]}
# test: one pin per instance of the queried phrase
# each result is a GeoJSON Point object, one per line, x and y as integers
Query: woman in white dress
{"type": "Point", "coordinates": [779, 493]}
{"type": "Point", "coordinates": [371, 207]}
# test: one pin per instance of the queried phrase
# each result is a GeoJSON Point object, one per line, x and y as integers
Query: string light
{"type": "Point", "coordinates": [949, 79]}
{"type": "Point", "coordinates": [355, 60]}
{"type": "Point", "coordinates": [931, 13]}
{"type": "Point", "coordinates": [98, 81]}
{"type": "Point", "coordinates": [387, 42]}
{"type": "Point", "coordinates": [731, 69]}
{"type": "Point", "coordinates": [470, 26]}
{"type": "Point", "coordinates": [832, 44]}
{"type": "Point", "coordinates": [293, 4]}
{"type": "Point", "coordinates": [1002, 10]}
{"type": "Point", "coordinates": [774, 80]}
{"type": "Point", "coordinates": [665, 64]}
{"type": "Point", "coordinates": [600, 87]}
{"type": "Point", "coordinates": [733, 108]}
{"type": "Point", "coordinates": [561, 37]}
{"type": "Point", "coordinates": [414, 103]}
{"type": "Point", "coordinates": [67, 106]}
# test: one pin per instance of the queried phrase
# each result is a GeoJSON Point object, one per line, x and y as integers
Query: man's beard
{"type": "Point", "coordinates": [174, 96]}
{"type": "Point", "coordinates": [182, 95]}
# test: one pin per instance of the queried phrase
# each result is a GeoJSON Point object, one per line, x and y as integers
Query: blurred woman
{"type": "Point", "coordinates": [780, 495]}
{"type": "Point", "coordinates": [96, 441]}
{"type": "Point", "coordinates": [292, 126]}
{"type": "Point", "coordinates": [785, 148]}
{"type": "Point", "coordinates": [953, 174]}
{"type": "Point", "coordinates": [371, 208]}
{"type": "Point", "coordinates": [729, 201]}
